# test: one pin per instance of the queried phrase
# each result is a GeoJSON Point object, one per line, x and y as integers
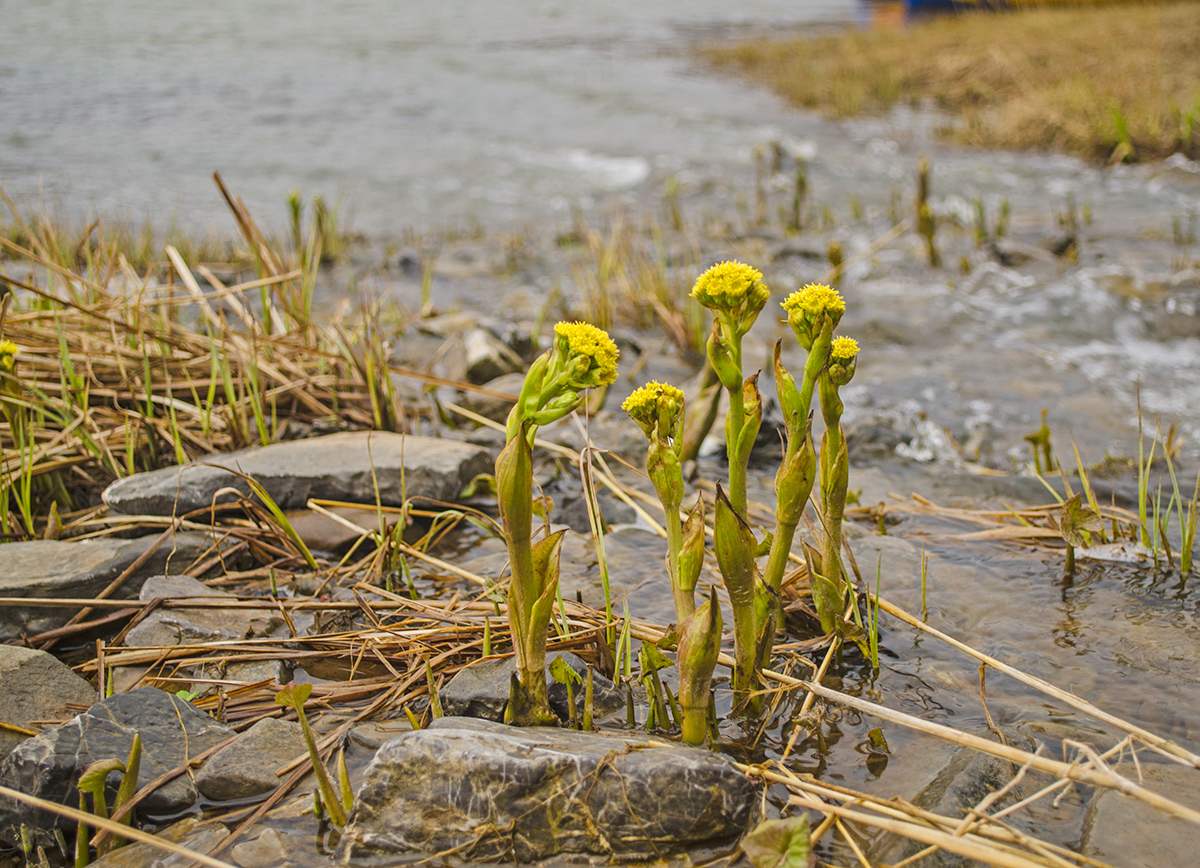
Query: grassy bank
{"type": "Point", "coordinates": [1106, 83]}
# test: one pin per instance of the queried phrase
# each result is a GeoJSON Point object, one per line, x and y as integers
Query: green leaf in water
{"type": "Point", "coordinates": [561, 671]}
{"type": "Point", "coordinates": [1075, 519]}
{"type": "Point", "coordinates": [779, 844]}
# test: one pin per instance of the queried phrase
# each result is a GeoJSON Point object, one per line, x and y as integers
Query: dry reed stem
{"type": "Point", "coordinates": [112, 827]}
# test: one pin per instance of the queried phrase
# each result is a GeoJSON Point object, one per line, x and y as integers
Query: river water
{"type": "Point", "coordinates": [518, 112]}
{"type": "Point", "coordinates": [412, 113]}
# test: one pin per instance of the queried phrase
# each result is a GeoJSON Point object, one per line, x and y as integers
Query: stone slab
{"type": "Point", "coordinates": [62, 568]}
{"type": "Point", "coordinates": [489, 792]}
{"type": "Point", "coordinates": [333, 467]}
{"type": "Point", "coordinates": [49, 765]}
{"type": "Point", "coordinates": [35, 685]}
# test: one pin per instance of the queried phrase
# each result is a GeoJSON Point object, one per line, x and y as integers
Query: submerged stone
{"type": "Point", "coordinates": [1122, 830]}
{"type": "Point", "coordinates": [495, 793]}
{"type": "Point", "coordinates": [333, 467]}
{"type": "Point", "coordinates": [247, 767]}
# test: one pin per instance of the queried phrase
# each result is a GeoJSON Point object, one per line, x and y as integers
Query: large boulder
{"type": "Point", "coordinates": [49, 765]}
{"type": "Point", "coordinates": [488, 792]}
{"type": "Point", "coordinates": [54, 568]}
{"type": "Point", "coordinates": [35, 685]}
{"type": "Point", "coordinates": [333, 467]}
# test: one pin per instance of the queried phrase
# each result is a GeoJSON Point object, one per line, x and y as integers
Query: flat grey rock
{"type": "Point", "coordinates": [247, 767]}
{"type": "Point", "coordinates": [495, 793]}
{"type": "Point", "coordinates": [46, 568]}
{"type": "Point", "coordinates": [481, 690]}
{"type": "Point", "coordinates": [194, 626]}
{"type": "Point", "coordinates": [491, 406]}
{"type": "Point", "coordinates": [35, 685]}
{"type": "Point", "coordinates": [488, 357]}
{"type": "Point", "coordinates": [334, 467]}
{"type": "Point", "coordinates": [195, 834]}
{"type": "Point", "coordinates": [49, 765]}
{"type": "Point", "coordinates": [1125, 831]}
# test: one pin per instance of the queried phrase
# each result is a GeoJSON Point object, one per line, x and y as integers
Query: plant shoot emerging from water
{"type": "Point", "coordinates": [583, 357]}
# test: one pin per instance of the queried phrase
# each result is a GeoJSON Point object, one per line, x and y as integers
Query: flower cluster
{"type": "Point", "coordinates": [588, 353]}
{"type": "Point", "coordinates": [8, 357]}
{"type": "Point", "coordinates": [656, 405]}
{"type": "Point", "coordinates": [731, 286]}
{"type": "Point", "coordinates": [812, 309]}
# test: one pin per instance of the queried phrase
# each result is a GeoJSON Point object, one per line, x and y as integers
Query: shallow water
{"type": "Point", "coordinates": [518, 112]}
{"type": "Point", "coordinates": [413, 113]}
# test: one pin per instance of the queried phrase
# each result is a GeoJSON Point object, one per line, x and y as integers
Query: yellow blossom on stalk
{"type": "Point", "coordinates": [812, 310]}
{"type": "Point", "coordinates": [8, 357]}
{"type": "Point", "coordinates": [655, 404]}
{"type": "Point", "coordinates": [842, 350]}
{"type": "Point", "coordinates": [591, 350]}
{"type": "Point", "coordinates": [843, 357]}
{"type": "Point", "coordinates": [814, 299]}
{"type": "Point", "coordinates": [731, 286]}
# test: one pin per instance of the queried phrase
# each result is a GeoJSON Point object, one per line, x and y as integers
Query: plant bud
{"type": "Point", "coordinates": [691, 555]}
{"type": "Point", "coordinates": [699, 647]}
{"type": "Point", "coordinates": [734, 545]}
{"type": "Point", "coordinates": [721, 358]}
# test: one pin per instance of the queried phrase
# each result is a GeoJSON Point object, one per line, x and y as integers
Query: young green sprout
{"type": "Point", "coordinates": [582, 357]}
{"type": "Point", "coordinates": [294, 696]}
{"type": "Point", "coordinates": [735, 293]}
{"type": "Point", "coordinates": [658, 409]}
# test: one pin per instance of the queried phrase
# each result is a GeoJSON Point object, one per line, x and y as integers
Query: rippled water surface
{"type": "Point", "coordinates": [412, 111]}
{"type": "Point", "coordinates": [508, 112]}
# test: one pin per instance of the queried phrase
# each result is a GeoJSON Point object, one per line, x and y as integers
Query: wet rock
{"type": "Point", "coordinates": [496, 793]}
{"type": "Point", "coordinates": [323, 534]}
{"type": "Point", "coordinates": [481, 690]}
{"type": "Point", "coordinates": [490, 406]}
{"type": "Point", "coordinates": [635, 562]}
{"type": "Point", "coordinates": [1125, 831]}
{"type": "Point", "coordinates": [961, 785]}
{"type": "Point", "coordinates": [417, 351]}
{"type": "Point", "coordinates": [195, 626]}
{"type": "Point", "coordinates": [334, 467]}
{"type": "Point", "coordinates": [247, 767]}
{"type": "Point", "coordinates": [50, 764]}
{"type": "Point", "coordinates": [264, 849]}
{"type": "Point", "coordinates": [487, 357]}
{"type": "Point", "coordinates": [35, 685]}
{"type": "Point", "coordinates": [46, 568]}
{"type": "Point", "coordinates": [573, 512]}
{"type": "Point", "coordinates": [195, 834]}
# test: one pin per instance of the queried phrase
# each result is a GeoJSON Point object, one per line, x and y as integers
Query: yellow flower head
{"type": "Point", "coordinates": [843, 359]}
{"type": "Point", "coordinates": [814, 299]}
{"type": "Point", "coordinates": [655, 404]}
{"type": "Point", "coordinates": [731, 286]}
{"type": "Point", "coordinates": [8, 356]}
{"type": "Point", "coordinates": [842, 350]}
{"type": "Point", "coordinates": [590, 350]}
{"type": "Point", "coordinates": [811, 310]}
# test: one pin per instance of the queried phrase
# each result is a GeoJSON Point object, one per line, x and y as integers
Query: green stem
{"type": "Point", "coordinates": [745, 670]}
{"type": "Point", "coordinates": [733, 432]}
{"type": "Point", "coordinates": [781, 548]}
{"type": "Point", "coordinates": [685, 602]}
{"type": "Point", "coordinates": [332, 802]}
{"type": "Point", "coordinates": [514, 478]}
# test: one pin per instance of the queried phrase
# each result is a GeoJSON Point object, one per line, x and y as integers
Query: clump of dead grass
{"type": "Point", "coordinates": [1102, 82]}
